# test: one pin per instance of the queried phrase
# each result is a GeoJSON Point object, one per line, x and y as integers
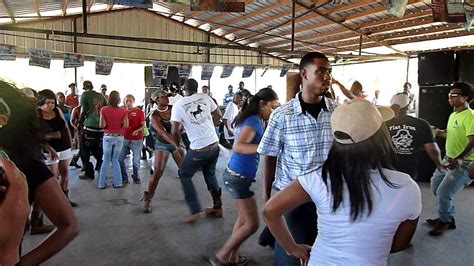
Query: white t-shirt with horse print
{"type": "Point", "coordinates": [194, 112]}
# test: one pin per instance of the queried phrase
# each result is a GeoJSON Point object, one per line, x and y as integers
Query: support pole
{"type": "Point", "coordinates": [84, 16]}
{"type": "Point", "coordinates": [408, 68]}
{"type": "Point", "coordinates": [293, 10]}
{"type": "Point", "coordinates": [74, 48]}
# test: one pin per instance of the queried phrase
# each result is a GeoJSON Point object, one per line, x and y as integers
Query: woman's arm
{"type": "Point", "coordinates": [285, 200]}
{"type": "Point", "coordinates": [56, 206]}
{"type": "Point", "coordinates": [403, 236]}
{"type": "Point", "coordinates": [102, 122]}
{"type": "Point", "coordinates": [160, 130]}
{"type": "Point", "coordinates": [243, 143]}
{"type": "Point", "coordinates": [125, 122]}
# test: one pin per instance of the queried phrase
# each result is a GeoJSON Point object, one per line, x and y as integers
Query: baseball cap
{"type": "Point", "coordinates": [358, 120]}
{"type": "Point", "coordinates": [158, 93]}
{"type": "Point", "coordinates": [72, 84]}
{"type": "Point", "coordinates": [400, 99]}
{"type": "Point", "coordinates": [86, 84]}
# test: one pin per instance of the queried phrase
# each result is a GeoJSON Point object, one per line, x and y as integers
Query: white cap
{"type": "Point", "coordinates": [401, 99]}
{"type": "Point", "coordinates": [358, 120]}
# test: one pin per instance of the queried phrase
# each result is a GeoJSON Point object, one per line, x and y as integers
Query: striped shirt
{"type": "Point", "coordinates": [300, 142]}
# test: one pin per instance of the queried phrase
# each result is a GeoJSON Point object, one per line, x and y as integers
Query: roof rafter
{"type": "Point", "coordinates": [352, 29]}
{"type": "Point", "coordinates": [402, 35]}
{"type": "Point", "coordinates": [255, 13]}
{"type": "Point", "coordinates": [221, 15]}
{"type": "Point", "coordinates": [9, 11]}
{"type": "Point", "coordinates": [327, 23]}
{"type": "Point", "coordinates": [414, 19]}
{"type": "Point", "coordinates": [309, 17]}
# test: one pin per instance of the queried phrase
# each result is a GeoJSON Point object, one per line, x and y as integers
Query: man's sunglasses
{"type": "Point", "coordinates": [454, 94]}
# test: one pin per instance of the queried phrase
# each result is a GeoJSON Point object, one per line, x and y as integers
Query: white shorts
{"type": "Point", "coordinates": [62, 155]}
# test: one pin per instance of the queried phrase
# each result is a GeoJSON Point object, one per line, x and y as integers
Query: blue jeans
{"type": "Point", "coordinates": [445, 184]}
{"type": "Point", "coordinates": [206, 159]}
{"type": "Point", "coordinates": [112, 146]}
{"type": "Point", "coordinates": [302, 223]}
{"type": "Point", "coordinates": [136, 147]}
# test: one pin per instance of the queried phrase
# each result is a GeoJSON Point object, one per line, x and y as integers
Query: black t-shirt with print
{"type": "Point", "coordinates": [408, 135]}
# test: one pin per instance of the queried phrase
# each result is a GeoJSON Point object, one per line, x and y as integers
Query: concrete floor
{"type": "Point", "coordinates": [115, 231]}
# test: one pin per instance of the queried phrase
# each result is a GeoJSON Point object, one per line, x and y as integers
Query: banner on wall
{"type": "Point", "coordinates": [73, 60]}
{"type": "Point", "coordinates": [397, 7]}
{"type": "Point", "coordinates": [40, 57]}
{"type": "Point", "coordinates": [217, 6]}
{"type": "Point", "coordinates": [227, 71]}
{"type": "Point", "coordinates": [160, 70]}
{"type": "Point", "coordinates": [7, 52]}
{"type": "Point", "coordinates": [134, 3]}
{"type": "Point", "coordinates": [207, 71]}
{"type": "Point", "coordinates": [103, 65]}
{"type": "Point", "coordinates": [248, 70]}
{"type": "Point", "coordinates": [285, 68]}
{"type": "Point", "coordinates": [184, 70]}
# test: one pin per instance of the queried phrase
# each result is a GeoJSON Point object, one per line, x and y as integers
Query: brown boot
{"type": "Point", "coordinates": [37, 225]}
{"type": "Point", "coordinates": [216, 210]}
{"type": "Point", "coordinates": [147, 197]}
{"type": "Point", "coordinates": [73, 204]}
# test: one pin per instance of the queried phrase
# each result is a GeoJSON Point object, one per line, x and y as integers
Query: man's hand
{"type": "Point", "coordinates": [136, 132]}
{"type": "Point", "coordinates": [453, 163]}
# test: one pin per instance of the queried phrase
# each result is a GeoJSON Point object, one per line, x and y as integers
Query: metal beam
{"type": "Point", "coordinates": [37, 9]}
{"type": "Point", "coordinates": [9, 12]}
{"type": "Point", "coordinates": [140, 39]}
{"type": "Point", "coordinates": [352, 29]}
{"type": "Point", "coordinates": [84, 16]}
{"type": "Point", "coordinates": [64, 8]}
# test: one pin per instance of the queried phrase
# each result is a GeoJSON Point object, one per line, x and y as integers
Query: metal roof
{"type": "Point", "coordinates": [354, 25]}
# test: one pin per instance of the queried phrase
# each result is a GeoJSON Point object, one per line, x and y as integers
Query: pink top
{"type": "Point", "coordinates": [113, 119]}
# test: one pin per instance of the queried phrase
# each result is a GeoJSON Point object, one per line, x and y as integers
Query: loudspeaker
{"type": "Point", "coordinates": [436, 68]}
{"type": "Point", "coordinates": [149, 80]}
{"type": "Point", "coordinates": [173, 76]}
{"type": "Point", "coordinates": [466, 65]}
{"type": "Point", "coordinates": [433, 105]}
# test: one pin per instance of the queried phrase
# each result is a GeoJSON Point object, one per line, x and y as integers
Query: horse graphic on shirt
{"type": "Point", "coordinates": [197, 112]}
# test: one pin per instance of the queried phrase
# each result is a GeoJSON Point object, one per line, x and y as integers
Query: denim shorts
{"type": "Point", "coordinates": [238, 187]}
{"type": "Point", "coordinates": [163, 146]}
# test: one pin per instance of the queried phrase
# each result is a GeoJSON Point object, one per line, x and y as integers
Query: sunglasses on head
{"type": "Point", "coordinates": [4, 108]}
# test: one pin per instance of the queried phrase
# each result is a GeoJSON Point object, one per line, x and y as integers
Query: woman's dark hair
{"type": "Point", "coordinates": [22, 136]}
{"type": "Point", "coordinates": [350, 165]}
{"type": "Point", "coordinates": [252, 107]}
{"type": "Point", "coordinates": [46, 95]}
{"type": "Point", "coordinates": [114, 99]}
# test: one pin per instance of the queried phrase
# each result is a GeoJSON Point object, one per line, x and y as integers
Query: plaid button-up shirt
{"type": "Point", "coordinates": [300, 142]}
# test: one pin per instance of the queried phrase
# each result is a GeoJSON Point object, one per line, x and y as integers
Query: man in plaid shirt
{"type": "Point", "coordinates": [297, 140]}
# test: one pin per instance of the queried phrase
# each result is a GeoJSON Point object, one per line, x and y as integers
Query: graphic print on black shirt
{"type": "Point", "coordinates": [196, 111]}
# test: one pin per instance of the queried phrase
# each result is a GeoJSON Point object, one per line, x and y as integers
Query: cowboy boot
{"type": "Point", "coordinates": [216, 210]}
{"type": "Point", "coordinates": [37, 225]}
{"type": "Point", "coordinates": [147, 197]}
{"type": "Point", "coordinates": [73, 204]}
